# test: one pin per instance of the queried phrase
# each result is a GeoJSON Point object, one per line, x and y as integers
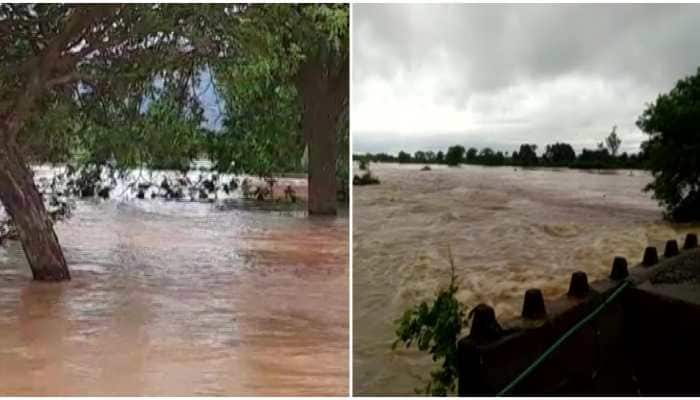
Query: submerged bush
{"type": "Point", "coordinates": [363, 165]}
{"type": "Point", "coordinates": [365, 179]}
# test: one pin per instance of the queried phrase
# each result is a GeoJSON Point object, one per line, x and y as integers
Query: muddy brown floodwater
{"type": "Point", "coordinates": [181, 298]}
{"type": "Point", "coordinates": [509, 230]}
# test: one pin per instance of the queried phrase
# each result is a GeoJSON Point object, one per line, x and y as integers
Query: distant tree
{"type": "Point", "coordinates": [486, 152]}
{"type": "Point", "coordinates": [404, 157]}
{"type": "Point", "coordinates": [420, 157]}
{"type": "Point", "coordinates": [455, 155]}
{"type": "Point", "coordinates": [440, 158]}
{"type": "Point", "coordinates": [594, 159]}
{"type": "Point", "coordinates": [613, 142]}
{"type": "Point", "coordinates": [379, 157]}
{"type": "Point", "coordinates": [486, 156]}
{"type": "Point", "coordinates": [625, 159]}
{"type": "Point", "coordinates": [489, 157]}
{"type": "Point", "coordinates": [499, 158]}
{"type": "Point", "coordinates": [673, 125]}
{"type": "Point", "coordinates": [527, 155]}
{"type": "Point", "coordinates": [472, 155]}
{"type": "Point", "coordinates": [559, 154]}
{"type": "Point", "coordinates": [430, 156]}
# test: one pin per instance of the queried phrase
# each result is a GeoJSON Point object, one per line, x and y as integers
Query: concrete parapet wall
{"type": "Point", "coordinates": [644, 341]}
{"type": "Point", "coordinates": [665, 343]}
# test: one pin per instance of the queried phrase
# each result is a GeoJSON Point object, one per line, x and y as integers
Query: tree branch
{"type": "Point", "coordinates": [65, 79]}
{"type": "Point", "coordinates": [77, 21]}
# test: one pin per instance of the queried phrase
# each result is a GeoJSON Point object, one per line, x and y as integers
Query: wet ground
{"type": "Point", "coordinates": [181, 298]}
{"type": "Point", "coordinates": [509, 229]}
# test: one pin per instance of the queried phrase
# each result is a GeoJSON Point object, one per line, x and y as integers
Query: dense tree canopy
{"type": "Point", "coordinates": [440, 157]}
{"type": "Point", "coordinates": [75, 76]}
{"type": "Point", "coordinates": [673, 125]}
{"type": "Point", "coordinates": [527, 155]}
{"type": "Point", "coordinates": [454, 155]}
{"type": "Point", "coordinates": [487, 156]}
{"type": "Point", "coordinates": [121, 81]}
{"type": "Point", "coordinates": [262, 130]}
{"type": "Point", "coordinates": [559, 154]}
{"type": "Point", "coordinates": [472, 155]}
{"type": "Point", "coordinates": [403, 157]}
{"type": "Point", "coordinates": [420, 157]}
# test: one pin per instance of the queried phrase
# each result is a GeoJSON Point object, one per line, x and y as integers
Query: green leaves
{"type": "Point", "coordinates": [435, 328]}
{"type": "Point", "coordinates": [262, 130]}
{"type": "Point", "coordinates": [51, 137]}
{"type": "Point", "coordinates": [142, 54]}
{"type": "Point", "coordinates": [673, 124]}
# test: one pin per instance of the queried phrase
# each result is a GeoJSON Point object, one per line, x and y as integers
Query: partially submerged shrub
{"type": "Point", "coordinates": [435, 328]}
{"type": "Point", "coordinates": [365, 179]}
{"type": "Point", "coordinates": [363, 165]}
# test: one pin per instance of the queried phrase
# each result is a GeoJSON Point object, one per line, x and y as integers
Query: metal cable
{"type": "Point", "coordinates": [561, 340]}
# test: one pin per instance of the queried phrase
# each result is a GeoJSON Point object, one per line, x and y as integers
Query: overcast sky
{"type": "Point", "coordinates": [430, 76]}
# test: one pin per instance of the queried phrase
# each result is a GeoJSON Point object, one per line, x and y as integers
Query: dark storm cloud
{"type": "Point", "coordinates": [507, 74]}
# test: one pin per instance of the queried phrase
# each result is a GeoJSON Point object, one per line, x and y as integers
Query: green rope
{"type": "Point", "coordinates": [561, 340]}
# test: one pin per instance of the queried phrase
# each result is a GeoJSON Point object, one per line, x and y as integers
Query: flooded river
{"type": "Point", "coordinates": [509, 229]}
{"type": "Point", "coordinates": [181, 298]}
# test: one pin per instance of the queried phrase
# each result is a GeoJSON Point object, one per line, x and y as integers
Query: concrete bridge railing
{"type": "Point", "coordinates": [637, 332]}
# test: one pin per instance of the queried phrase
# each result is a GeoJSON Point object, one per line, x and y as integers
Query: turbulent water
{"type": "Point", "coordinates": [509, 229]}
{"type": "Point", "coordinates": [179, 298]}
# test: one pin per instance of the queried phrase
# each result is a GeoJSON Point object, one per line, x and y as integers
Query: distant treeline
{"type": "Point", "coordinates": [555, 155]}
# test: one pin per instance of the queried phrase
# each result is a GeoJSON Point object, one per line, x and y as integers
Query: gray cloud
{"type": "Point", "coordinates": [508, 74]}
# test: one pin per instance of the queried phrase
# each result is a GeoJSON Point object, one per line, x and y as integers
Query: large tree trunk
{"type": "Point", "coordinates": [52, 66]}
{"type": "Point", "coordinates": [23, 202]}
{"type": "Point", "coordinates": [324, 96]}
{"type": "Point", "coordinates": [323, 146]}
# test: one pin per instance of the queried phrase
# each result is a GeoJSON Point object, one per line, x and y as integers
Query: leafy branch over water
{"type": "Point", "coordinates": [435, 328]}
